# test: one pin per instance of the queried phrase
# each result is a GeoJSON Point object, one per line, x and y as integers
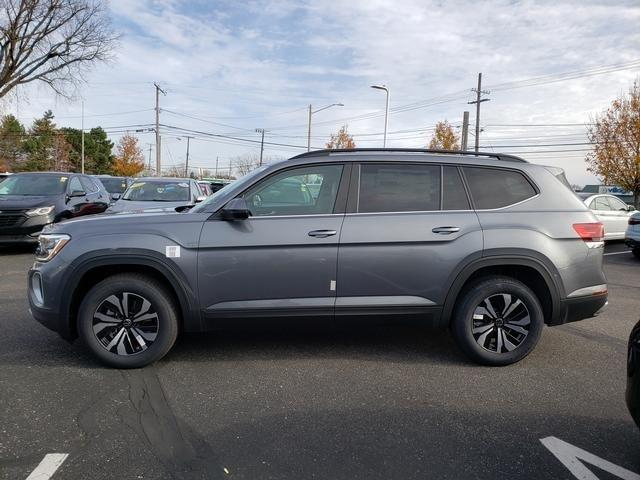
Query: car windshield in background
{"type": "Point", "coordinates": [158, 192]}
{"type": "Point", "coordinates": [33, 185]}
{"type": "Point", "coordinates": [114, 185]}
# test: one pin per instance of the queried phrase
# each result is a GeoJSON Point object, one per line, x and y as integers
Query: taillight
{"type": "Point", "coordinates": [590, 232]}
{"type": "Point", "coordinates": [634, 221]}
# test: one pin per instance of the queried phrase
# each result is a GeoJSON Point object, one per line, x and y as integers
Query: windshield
{"type": "Point", "coordinates": [142, 191]}
{"type": "Point", "coordinates": [243, 181]}
{"type": "Point", "coordinates": [33, 185]}
{"type": "Point", "coordinates": [114, 185]}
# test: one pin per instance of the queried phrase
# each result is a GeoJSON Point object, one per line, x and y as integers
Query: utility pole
{"type": "Point", "coordinates": [309, 130]}
{"type": "Point", "coordinates": [261, 130]}
{"type": "Point", "coordinates": [158, 160]}
{"type": "Point", "coordinates": [149, 164]}
{"type": "Point", "coordinates": [82, 141]}
{"type": "Point", "coordinates": [186, 162]}
{"type": "Point", "coordinates": [217, 166]}
{"type": "Point", "coordinates": [229, 169]}
{"type": "Point", "coordinates": [465, 132]}
{"type": "Point", "coordinates": [477, 102]}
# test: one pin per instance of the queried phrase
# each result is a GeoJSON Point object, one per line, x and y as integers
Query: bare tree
{"type": "Point", "coordinates": [246, 163]}
{"type": "Point", "coordinates": [52, 41]}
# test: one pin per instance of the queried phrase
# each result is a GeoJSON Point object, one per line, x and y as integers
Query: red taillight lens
{"type": "Point", "coordinates": [590, 232]}
{"type": "Point", "coordinates": [634, 221]}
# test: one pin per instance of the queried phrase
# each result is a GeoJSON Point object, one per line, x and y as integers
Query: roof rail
{"type": "Point", "coordinates": [497, 156]}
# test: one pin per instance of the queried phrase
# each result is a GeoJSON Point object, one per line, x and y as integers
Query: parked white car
{"type": "Point", "coordinates": [611, 211]}
{"type": "Point", "coordinates": [632, 236]}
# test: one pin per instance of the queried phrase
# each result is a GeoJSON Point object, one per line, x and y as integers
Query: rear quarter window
{"type": "Point", "coordinates": [496, 188]}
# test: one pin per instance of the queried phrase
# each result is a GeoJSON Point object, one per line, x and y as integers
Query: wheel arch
{"type": "Point", "coordinates": [537, 272]}
{"type": "Point", "coordinates": [87, 270]}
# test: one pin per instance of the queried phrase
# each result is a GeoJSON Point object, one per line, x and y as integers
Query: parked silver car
{"type": "Point", "coordinates": [611, 211]}
{"type": "Point", "coordinates": [154, 194]}
{"type": "Point", "coordinates": [488, 245]}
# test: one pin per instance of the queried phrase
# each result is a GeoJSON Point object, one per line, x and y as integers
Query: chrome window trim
{"type": "Point", "coordinates": [296, 216]}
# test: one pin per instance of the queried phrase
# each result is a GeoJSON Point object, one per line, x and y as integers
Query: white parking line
{"type": "Point", "coordinates": [617, 253]}
{"type": "Point", "coordinates": [573, 457]}
{"type": "Point", "coordinates": [48, 466]}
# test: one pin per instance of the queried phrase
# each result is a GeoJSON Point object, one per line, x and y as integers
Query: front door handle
{"type": "Point", "coordinates": [446, 230]}
{"type": "Point", "coordinates": [322, 233]}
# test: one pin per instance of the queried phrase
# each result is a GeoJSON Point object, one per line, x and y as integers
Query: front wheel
{"type": "Point", "coordinates": [497, 321]}
{"type": "Point", "coordinates": [128, 321]}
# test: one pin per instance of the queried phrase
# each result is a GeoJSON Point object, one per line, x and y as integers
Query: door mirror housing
{"type": "Point", "coordinates": [630, 208]}
{"type": "Point", "coordinates": [115, 196]}
{"type": "Point", "coordinates": [77, 193]}
{"type": "Point", "coordinates": [236, 209]}
{"type": "Point", "coordinates": [200, 198]}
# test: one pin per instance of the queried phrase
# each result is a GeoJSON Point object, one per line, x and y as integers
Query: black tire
{"type": "Point", "coordinates": [477, 332]}
{"type": "Point", "coordinates": [143, 337]}
{"type": "Point", "coordinates": [636, 252]}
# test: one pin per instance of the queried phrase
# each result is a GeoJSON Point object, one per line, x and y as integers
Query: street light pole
{"type": "Point", "coordinates": [311, 112]}
{"type": "Point", "coordinates": [386, 112]}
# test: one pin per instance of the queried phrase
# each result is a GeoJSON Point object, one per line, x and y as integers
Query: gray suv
{"type": "Point", "coordinates": [488, 245]}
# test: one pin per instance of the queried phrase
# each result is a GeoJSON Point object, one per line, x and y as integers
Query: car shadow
{"type": "Point", "coordinates": [281, 340]}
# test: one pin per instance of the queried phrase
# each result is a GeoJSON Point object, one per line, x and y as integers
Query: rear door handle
{"type": "Point", "coordinates": [446, 230]}
{"type": "Point", "coordinates": [322, 233]}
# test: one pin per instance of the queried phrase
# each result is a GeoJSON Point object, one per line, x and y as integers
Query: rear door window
{"type": "Point", "coordinates": [496, 188]}
{"type": "Point", "coordinates": [454, 196]}
{"type": "Point", "coordinates": [399, 188]}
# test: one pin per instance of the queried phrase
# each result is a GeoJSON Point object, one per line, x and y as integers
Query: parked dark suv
{"type": "Point", "coordinates": [29, 201]}
{"type": "Point", "coordinates": [488, 245]}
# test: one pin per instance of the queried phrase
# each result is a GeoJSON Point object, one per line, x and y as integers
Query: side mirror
{"type": "Point", "coordinates": [115, 196]}
{"type": "Point", "coordinates": [236, 209]}
{"type": "Point", "coordinates": [77, 193]}
{"type": "Point", "coordinates": [200, 198]}
{"type": "Point", "coordinates": [630, 208]}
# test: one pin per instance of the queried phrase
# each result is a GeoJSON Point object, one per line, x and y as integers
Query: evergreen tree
{"type": "Point", "coordinates": [12, 137]}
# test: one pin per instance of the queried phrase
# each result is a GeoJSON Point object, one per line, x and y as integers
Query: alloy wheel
{"type": "Point", "coordinates": [125, 323]}
{"type": "Point", "coordinates": [501, 323]}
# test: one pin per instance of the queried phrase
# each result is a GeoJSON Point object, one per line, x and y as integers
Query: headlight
{"type": "Point", "coordinates": [49, 244]}
{"type": "Point", "coordinates": [40, 211]}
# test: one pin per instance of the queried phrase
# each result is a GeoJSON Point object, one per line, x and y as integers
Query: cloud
{"type": "Point", "coordinates": [258, 64]}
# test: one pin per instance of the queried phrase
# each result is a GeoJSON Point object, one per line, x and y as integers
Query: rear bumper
{"type": "Point", "coordinates": [632, 242]}
{"type": "Point", "coordinates": [580, 308]}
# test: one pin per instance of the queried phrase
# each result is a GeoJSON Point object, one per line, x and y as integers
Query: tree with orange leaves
{"type": "Point", "coordinates": [129, 159]}
{"type": "Point", "coordinates": [615, 135]}
{"type": "Point", "coordinates": [444, 137]}
{"type": "Point", "coordinates": [341, 140]}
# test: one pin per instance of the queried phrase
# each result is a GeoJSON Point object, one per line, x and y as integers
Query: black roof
{"type": "Point", "coordinates": [497, 156]}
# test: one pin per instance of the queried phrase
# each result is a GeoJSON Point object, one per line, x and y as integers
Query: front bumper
{"type": "Point", "coordinates": [24, 230]}
{"type": "Point", "coordinates": [43, 294]}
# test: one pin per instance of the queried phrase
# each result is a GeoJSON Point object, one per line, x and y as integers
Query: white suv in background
{"type": "Point", "coordinates": [632, 235]}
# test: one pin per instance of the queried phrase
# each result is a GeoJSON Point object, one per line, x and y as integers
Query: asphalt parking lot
{"type": "Point", "coordinates": [317, 402]}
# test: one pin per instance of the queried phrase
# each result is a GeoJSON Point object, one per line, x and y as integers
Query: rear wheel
{"type": "Point", "coordinates": [636, 252]}
{"type": "Point", "coordinates": [498, 321]}
{"type": "Point", "coordinates": [128, 321]}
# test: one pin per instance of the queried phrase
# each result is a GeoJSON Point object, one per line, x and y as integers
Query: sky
{"type": "Point", "coordinates": [230, 67]}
